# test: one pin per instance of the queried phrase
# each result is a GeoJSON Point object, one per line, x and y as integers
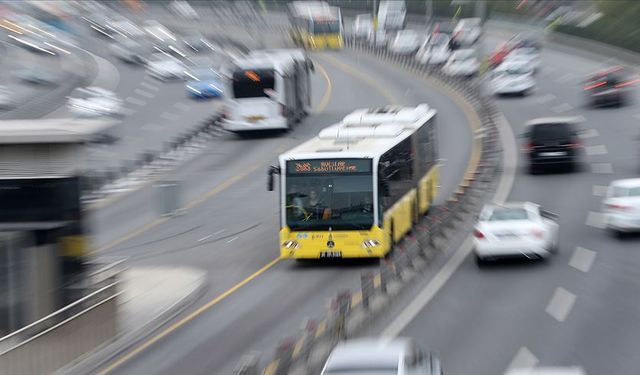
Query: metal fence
{"type": "Point", "coordinates": [352, 311]}
{"type": "Point", "coordinates": [60, 338]}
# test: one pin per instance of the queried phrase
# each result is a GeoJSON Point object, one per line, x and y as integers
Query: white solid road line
{"type": "Point", "coordinates": [589, 133]}
{"type": "Point", "coordinates": [543, 99]}
{"type": "Point", "coordinates": [595, 219]}
{"type": "Point", "coordinates": [601, 168]}
{"type": "Point", "coordinates": [561, 304]}
{"type": "Point", "coordinates": [510, 162]}
{"type": "Point", "coordinates": [562, 108]}
{"type": "Point", "coordinates": [582, 259]}
{"type": "Point", "coordinates": [149, 86]}
{"type": "Point", "coordinates": [600, 190]}
{"type": "Point", "coordinates": [596, 150]}
{"type": "Point", "coordinates": [135, 101]}
{"type": "Point", "coordinates": [144, 94]}
{"type": "Point", "coordinates": [523, 359]}
{"type": "Point", "coordinates": [205, 238]}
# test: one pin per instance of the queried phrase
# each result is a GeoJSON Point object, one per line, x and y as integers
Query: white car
{"type": "Point", "coordinates": [163, 66]}
{"type": "Point", "coordinates": [547, 371]}
{"type": "Point", "coordinates": [462, 62]}
{"type": "Point", "coordinates": [362, 26]}
{"type": "Point", "coordinates": [467, 31]}
{"type": "Point", "coordinates": [435, 50]}
{"type": "Point", "coordinates": [94, 101]}
{"type": "Point", "coordinates": [510, 79]}
{"type": "Point", "coordinates": [380, 39]}
{"type": "Point", "coordinates": [405, 42]}
{"type": "Point", "coordinates": [519, 229]}
{"type": "Point", "coordinates": [371, 356]}
{"type": "Point", "coordinates": [525, 55]}
{"type": "Point", "coordinates": [621, 206]}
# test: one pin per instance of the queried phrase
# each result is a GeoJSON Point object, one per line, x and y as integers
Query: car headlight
{"type": "Point", "coordinates": [291, 245]}
{"type": "Point", "coordinates": [367, 244]}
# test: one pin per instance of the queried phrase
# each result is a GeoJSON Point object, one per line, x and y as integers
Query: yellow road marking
{"type": "Point", "coordinates": [324, 102]}
{"type": "Point", "coordinates": [356, 299]}
{"type": "Point", "coordinates": [187, 319]}
{"type": "Point", "coordinates": [271, 369]}
{"type": "Point", "coordinates": [321, 328]}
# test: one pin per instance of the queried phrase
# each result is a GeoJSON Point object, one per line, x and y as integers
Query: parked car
{"type": "Point", "coordinates": [405, 42]}
{"type": "Point", "coordinates": [608, 87]}
{"type": "Point", "coordinates": [512, 78]}
{"type": "Point", "coordinates": [94, 101]}
{"type": "Point", "coordinates": [435, 50]}
{"type": "Point", "coordinates": [377, 39]}
{"type": "Point", "coordinates": [547, 371]}
{"type": "Point", "coordinates": [528, 56]}
{"type": "Point", "coordinates": [467, 31]}
{"type": "Point", "coordinates": [462, 62]}
{"type": "Point", "coordinates": [552, 142]}
{"type": "Point", "coordinates": [165, 67]}
{"type": "Point", "coordinates": [371, 356]}
{"type": "Point", "coordinates": [206, 83]}
{"type": "Point", "coordinates": [621, 206]}
{"type": "Point", "coordinates": [515, 229]}
{"type": "Point", "coordinates": [362, 26]}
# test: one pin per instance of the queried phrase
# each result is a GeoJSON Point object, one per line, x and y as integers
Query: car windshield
{"type": "Point", "coordinates": [550, 131]}
{"type": "Point", "coordinates": [253, 83]}
{"type": "Point", "coordinates": [512, 71]}
{"type": "Point", "coordinates": [321, 195]}
{"type": "Point", "coordinates": [619, 192]}
{"type": "Point", "coordinates": [507, 214]}
{"type": "Point", "coordinates": [326, 27]}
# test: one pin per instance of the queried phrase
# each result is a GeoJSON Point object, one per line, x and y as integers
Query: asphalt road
{"type": "Point", "coordinates": [578, 308]}
{"type": "Point", "coordinates": [233, 233]}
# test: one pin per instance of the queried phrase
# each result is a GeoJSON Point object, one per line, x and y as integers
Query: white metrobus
{"type": "Point", "coordinates": [360, 185]}
{"type": "Point", "coordinates": [267, 90]}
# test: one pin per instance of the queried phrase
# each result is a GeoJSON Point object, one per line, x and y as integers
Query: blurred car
{"type": "Point", "coordinates": [197, 43]}
{"type": "Point", "coordinates": [621, 206]}
{"type": "Point", "coordinates": [378, 38]}
{"type": "Point", "coordinates": [515, 229]}
{"type": "Point", "coordinates": [512, 78]}
{"type": "Point", "coordinates": [526, 41]}
{"type": "Point", "coordinates": [124, 26]}
{"type": "Point", "coordinates": [547, 371]}
{"type": "Point", "coordinates": [552, 141]}
{"type": "Point", "coordinates": [369, 356]}
{"type": "Point", "coordinates": [504, 49]}
{"type": "Point", "coordinates": [165, 67]}
{"type": "Point", "coordinates": [362, 26]}
{"type": "Point", "coordinates": [467, 31]}
{"type": "Point", "coordinates": [405, 42]}
{"type": "Point", "coordinates": [183, 9]}
{"type": "Point", "coordinates": [462, 62]}
{"type": "Point", "coordinates": [206, 83]}
{"type": "Point", "coordinates": [526, 56]}
{"type": "Point", "coordinates": [94, 101]}
{"type": "Point", "coordinates": [37, 76]}
{"type": "Point", "coordinates": [33, 43]}
{"type": "Point", "coordinates": [129, 51]}
{"type": "Point", "coordinates": [6, 97]}
{"type": "Point", "coordinates": [608, 87]}
{"type": "Point", "coordinates": [435, 50]}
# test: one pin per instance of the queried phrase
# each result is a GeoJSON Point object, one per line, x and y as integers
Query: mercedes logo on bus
{"type": "Point", "coordinates": [330, 244]}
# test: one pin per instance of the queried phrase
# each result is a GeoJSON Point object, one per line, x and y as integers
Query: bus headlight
{"type": "Point", "coordinates": [291, 245]}
{"type": "Point", "coordinates": [367, 244]}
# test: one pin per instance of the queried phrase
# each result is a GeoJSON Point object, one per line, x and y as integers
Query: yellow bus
{"type": "Point", "coordinates": [316, 25]}
{"type": "Point", "coordinates": [359, 186]}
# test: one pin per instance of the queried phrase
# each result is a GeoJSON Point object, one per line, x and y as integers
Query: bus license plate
{"type": "Point", "coordinates": [331, 254]}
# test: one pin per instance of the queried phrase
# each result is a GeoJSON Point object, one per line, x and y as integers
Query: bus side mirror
{"type": "Point", "coordinates": [272, 170]}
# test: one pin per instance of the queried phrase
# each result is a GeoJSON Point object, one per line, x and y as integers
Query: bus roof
{"type": "Point", "coordinates": [297, 54]}
{"type": "Point", "coordinates": [365, 133]}
{"type": "Point", "coordinates": [314, 10]}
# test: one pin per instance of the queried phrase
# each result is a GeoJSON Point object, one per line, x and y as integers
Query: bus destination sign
{"type": "Point", "coordinates": [329, 166]}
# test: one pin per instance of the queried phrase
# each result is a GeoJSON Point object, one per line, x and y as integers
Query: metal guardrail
{"type": "Point", "coordinates": [351, 312]}
{"type": "Point", "coordinates": [59, 338]}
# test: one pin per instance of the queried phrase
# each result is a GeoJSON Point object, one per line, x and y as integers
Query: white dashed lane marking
{"type": "Point", "coordinates": [582, 259]}
{"type": "Point", "coordinates": [523, 359]}
{"type": "Point", "coordinates": [601, 168]}
{"type": "Point", "coordinates": [595, 219]}
{"type": "Point", "coordinates": [144, 94]}
{"type": "Point", "coordinates": [135, 101]}
{"type": "Point", "coordinates": [561, 304]}
{"type": "Point", "coordinates": [149, 86]}
{"type": "Point", "coordinates": [600, 190]}
{"type": "Point", "coordinates": [561, 108]}
{"type": "Point", "coordinates": [589, 133]}
{"type": "Point", "coordinates": [596, 150]}
{"type": "Point", "coordinates": [545, 98]}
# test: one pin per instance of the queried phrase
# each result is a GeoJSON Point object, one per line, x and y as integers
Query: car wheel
{"type": "Point", "coordinates": [533, 170]}
{"type": "Point", "coordinates": [480, 261]}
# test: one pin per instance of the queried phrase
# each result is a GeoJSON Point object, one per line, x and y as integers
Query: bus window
{"type": "Point", "coordinates": [253, 83]}
{"type": "Point", "coordinates": [331, 27]}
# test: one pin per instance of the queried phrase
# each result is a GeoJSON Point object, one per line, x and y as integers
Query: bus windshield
{"type": "Point", "coordinates": [253, 83]}
{"type": "Point", "coordinates": [329, 200]}
{"type": "Point", "coordinates": [325, 27]}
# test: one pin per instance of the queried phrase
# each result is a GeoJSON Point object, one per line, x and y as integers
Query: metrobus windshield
{"type": "Point", "coordinates": [252, 83]}
{"type": "Point", "coordinates": [325, 27]}
{"type": "Point", "coordinates": [329, 194]}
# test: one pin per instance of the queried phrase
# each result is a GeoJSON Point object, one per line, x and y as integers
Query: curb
{"type": "Point", "coordinates": [98, 358]}
{"type": "Point", "coordinates": [351, 312]}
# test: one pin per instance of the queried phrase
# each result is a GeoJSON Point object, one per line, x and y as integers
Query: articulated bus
{"type": "Point", "coordinates": [316, 25]}
{"type": "Point", "coordinates": [359, 186]}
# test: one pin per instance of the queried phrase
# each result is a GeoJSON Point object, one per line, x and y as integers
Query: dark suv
{"type": "Point", "coordinates": [608, 87]}
{"type": "Point", "coordinates": [552, 142]}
